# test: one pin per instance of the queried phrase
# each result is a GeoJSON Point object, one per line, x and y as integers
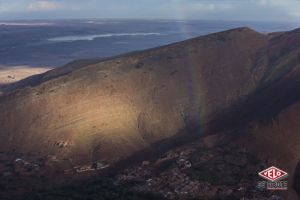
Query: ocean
{"type": "Point", "coordinates": [52, 43]}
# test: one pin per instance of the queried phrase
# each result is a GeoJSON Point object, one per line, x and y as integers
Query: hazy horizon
{"type": "Point", "coordinates": [148, 19]}
{"type": "Point", "coordinates": [228, 10]}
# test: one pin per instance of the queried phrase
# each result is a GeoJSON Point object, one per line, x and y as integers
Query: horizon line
{"type": "Point", "coordinates": [146, 19]}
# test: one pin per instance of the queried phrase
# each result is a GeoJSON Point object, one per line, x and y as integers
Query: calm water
{"type": "Point", "coordinates": [55, 43]}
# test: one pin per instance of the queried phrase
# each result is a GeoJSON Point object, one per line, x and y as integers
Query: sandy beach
{"type": "Point", "coordinates": [11, 74]}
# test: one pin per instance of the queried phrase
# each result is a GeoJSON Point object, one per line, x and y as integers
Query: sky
{"type": "Point", "coordinates": [249, 10]}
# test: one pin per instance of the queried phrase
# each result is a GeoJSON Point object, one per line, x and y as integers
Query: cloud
{"type": "Point", "coordinates": [9, 6]}
{"type": "Point", "coordinates": [289, 4]}
{"type": "Point", "coordinates": [207, 6]}
{"type": "Point", "coordinates": [277, 9]}
{"type": "Point", "coordinates": [295, 14]}
{"type": "Point", "coordinates": [44, 5]}
{"type": "Point", "coordinates": [213, 7]}
{"type": "Point", "coordinates": [261, 10]}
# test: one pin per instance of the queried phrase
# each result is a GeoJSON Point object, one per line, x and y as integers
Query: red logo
{"type": "Point", "coordinates": [273, 174]}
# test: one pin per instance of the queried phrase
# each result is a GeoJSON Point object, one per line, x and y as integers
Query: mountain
{"type": "Point", "coordinates": [239, 83]}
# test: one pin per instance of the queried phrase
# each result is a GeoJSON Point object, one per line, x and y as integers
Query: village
{"type": "Point", "coordinates": [36, 167]}
{"type": "Point", "coordinates": [176, 175]}
{"type": "Point", "coordinates": [200, 170]}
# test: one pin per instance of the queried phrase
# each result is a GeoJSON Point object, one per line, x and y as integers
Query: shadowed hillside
{"type": "Point", "coordinates": [109, 109]}
{"type": "Point", "coordinates": [106, 110]}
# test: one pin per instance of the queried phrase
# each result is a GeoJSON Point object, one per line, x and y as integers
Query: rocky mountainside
{"type": "Point", "coordinates": [239, 82]}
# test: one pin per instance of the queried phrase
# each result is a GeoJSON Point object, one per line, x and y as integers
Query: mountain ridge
{"type": "Point", "coordinates": [179, 58]}
{"type": "Point", "coordinates": [77, 64]}
{"type": "Point", "coordinates": [108, 110]}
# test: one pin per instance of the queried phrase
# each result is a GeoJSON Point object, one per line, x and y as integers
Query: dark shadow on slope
{"type": "Point", "coordinates": [187, 134]}
{"type": "Point", "coordinates": [262, 105]}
